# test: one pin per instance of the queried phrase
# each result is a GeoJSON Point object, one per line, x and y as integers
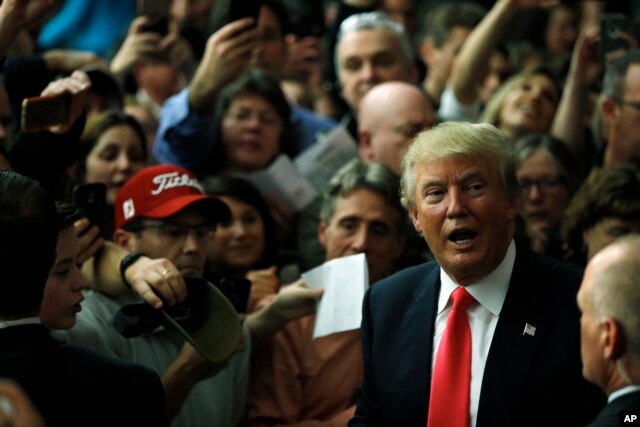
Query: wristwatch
{"type": "Point", "coordinates": [126, 262]}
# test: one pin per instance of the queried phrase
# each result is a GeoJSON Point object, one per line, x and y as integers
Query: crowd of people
{"type": "Point", "coordinates": [493, 187]}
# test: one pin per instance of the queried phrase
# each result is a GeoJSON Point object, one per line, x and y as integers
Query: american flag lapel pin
{"type": "Point", "coordinates": [529, 330]}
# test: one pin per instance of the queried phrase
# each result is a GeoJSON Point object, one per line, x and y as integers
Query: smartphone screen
{"type": "Point", "coordinates": [158, 12]}
{"type": "Point", "coordinates": [91, 200]}
{"type": "Point", "coordinates": [226, 11]}
{"type": "Point", "coordinates": [42, 112]}
{"type": "Point", "coordinates": [612, 25]}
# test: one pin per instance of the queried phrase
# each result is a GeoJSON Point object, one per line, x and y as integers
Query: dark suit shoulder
{"type": "Point", "coordinates": [70, 384]}
{"type": "Point", "coordinates": [548, 275]}
{"type": "Point", "coordinates": [406, 280]}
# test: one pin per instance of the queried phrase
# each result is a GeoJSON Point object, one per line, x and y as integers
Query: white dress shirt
{"type": "Point", "coordinates": [489, 293]}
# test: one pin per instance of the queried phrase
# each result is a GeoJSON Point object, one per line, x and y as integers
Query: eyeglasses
{"type": "Point", "coordinates": [546, 184]}
{"type": "Point", "coordinates": [176, 231]}
{"type": "Point", "coordinates": [245, 115]}
{"type": "Point", "coordinates": [634, 104]}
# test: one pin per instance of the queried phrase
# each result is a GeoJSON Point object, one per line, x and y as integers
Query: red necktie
{"type": "Point", "coordinates": [449, 402]}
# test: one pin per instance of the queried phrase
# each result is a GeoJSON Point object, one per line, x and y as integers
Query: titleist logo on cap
{"type": "Point", "coordinates": [172, 180]}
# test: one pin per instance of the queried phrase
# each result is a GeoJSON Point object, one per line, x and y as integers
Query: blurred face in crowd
{"type": "Point", "coordinates": [497, 73]}
{"type": "Point", "coordinates": [271, 54]}
{"type": "Point", "coordinates": [239, 244]}
{"type": "Point", "coordinates": [562, 30]}
{"type": "Point", "coordinates": [402, 11]}
{"type": "Point", "coordinates": [159, 79]}
{"type": "Point", "coordinates": [192, 12]}
{"type": "Point", "coordinates": [544, 191]}
{"type": "Point", "coordinates": [181, 238]}
{"type": "Point", "coordinates": [464, 214]}
{"type": "Point", "coordinates": [116, 157]}
{"type": "Point", "coordinates": [530, 106]}
{"type": "Point", "coordinates": [623, 120]}
{"type": "Point", "coordinates": [391, 115]}
{"type": "Point", "coordinates": [369, 57]}
{"type": "Point", "coordinates": [363, 222]}
{"type": "Point", "coordinates": [440, 59]}
{"type": "Point", "coordinates": [63, 291]}
{"type": "Point", "coordinates": [251, 129]}
{"type": "Point", "coordinates": [606, 231]}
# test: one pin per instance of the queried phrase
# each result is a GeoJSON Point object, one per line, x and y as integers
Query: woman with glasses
{"type": "Point", "coordinates": [548, 175]}
{"type": "Point", "coordinates": [253, 126]}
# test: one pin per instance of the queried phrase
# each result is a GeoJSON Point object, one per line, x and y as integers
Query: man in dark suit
{"type": "Point", "coordinates": [609, 298]}
{"type": "Point", "coordinates": [69, 385]}
{"type": "Point", "coordinates": [459, 185]}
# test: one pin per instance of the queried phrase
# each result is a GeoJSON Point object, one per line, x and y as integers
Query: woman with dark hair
{"type": "Point", "coordinates": [548, 174]}
{"type": "Point", "coordinates": [112, 149]}
{"type": "Point", "coordinates": [254, 125]}
{"type": "Point", "coordinates": [245, 244]}
{"type": "Point", "coordinates": [605, 207]}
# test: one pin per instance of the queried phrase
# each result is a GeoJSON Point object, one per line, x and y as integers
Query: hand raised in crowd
{"type": "Point", "coordinates": [17, 411]}
{"type": "Point", "coordinates": [89, 239]}
{"type": "Point", "coordinates": [77, 85]}
{"type": "Point", "coordinates": [138, 45]}
{"type": "Point", "coordinates": [19, 15]}
{"type": "Point", "coordinates": [585, 61]}
{"type": "Point", "coordinates": [226, 55]}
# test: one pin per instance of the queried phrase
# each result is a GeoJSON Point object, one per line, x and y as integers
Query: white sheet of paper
{"type": "Point", "coordinates": [281, 180]}
{"type": "Point", "coordinates": [344, 281]}
{"type": "Point", "coordinates": [322, 160]}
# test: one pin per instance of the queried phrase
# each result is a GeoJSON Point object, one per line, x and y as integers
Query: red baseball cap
{"type": "Point", "coordinates": [161, 191]}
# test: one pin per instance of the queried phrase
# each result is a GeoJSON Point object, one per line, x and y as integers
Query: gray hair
{"type": "Point", "coordinates": [459, 139]}
{"type": "Point", "coordinates": [372, 21]}
{"type": "Point", "coordinates": [356, 175]}
{"type": "Point", "coordinates": [616, 290]}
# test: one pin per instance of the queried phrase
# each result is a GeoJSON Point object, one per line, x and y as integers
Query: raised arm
{"type": "Point", "coordinates": [568, 123]}
{"type": "Point", "coordinates": [477, 48]}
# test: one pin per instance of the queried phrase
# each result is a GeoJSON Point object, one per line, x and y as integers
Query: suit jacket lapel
{"type": "Point", "coordinates": [512, 351]}
{"type": "Point", "coordinates": [414, 367]}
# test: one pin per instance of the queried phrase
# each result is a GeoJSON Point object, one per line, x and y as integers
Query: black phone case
{"type": "Point", "coordinates": [91, 200]}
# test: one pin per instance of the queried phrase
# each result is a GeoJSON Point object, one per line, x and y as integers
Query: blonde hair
{"type": "Point", "coordinates": [492, 110]}
{"type": "Point", "coordinates": [463, 140]}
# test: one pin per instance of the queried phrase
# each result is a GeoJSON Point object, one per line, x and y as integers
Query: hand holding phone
{"type": "Point", "coordinates": [42, 112]}
{"type": "Point", "coordinates": [613, 27]}
{"type": "Point", "coordinates": [226, 11]}
{"type": "Point", "coordinates": [91, 200]}
{"type": "Point", "coordinates": [58, 106]}
{"type": "Point", "coordinates": [158, 13]}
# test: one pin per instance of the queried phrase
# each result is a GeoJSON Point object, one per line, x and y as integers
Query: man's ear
{"type": "Point", "coordinates": [609, 112]}
{"type": "Point", "coordinates": [322, 233]}
{"type": "Point", "coordinates": [413, 214]}
{"type": "Point", "coordinates": [125, 239]}
{"type": "Point", "coordinates": [615, 339]}
{"type": "Point", "coordinates": [426, 51]}
{"type": "Point", "coordinates": [364, 145]}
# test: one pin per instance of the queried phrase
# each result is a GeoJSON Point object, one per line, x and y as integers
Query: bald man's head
{"type": "Point", "coordinates": [391, 114]}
